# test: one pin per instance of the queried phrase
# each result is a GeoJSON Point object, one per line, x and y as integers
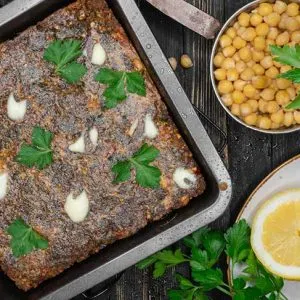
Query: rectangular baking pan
{"type": "Point", "coordinates": [17, 16]}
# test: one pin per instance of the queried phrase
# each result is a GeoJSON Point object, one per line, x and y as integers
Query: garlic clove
{"type": "Point", "coordinates": [150, 130]}
{"type": "Point", "coordinates": [98, 55]}
{"type": "Point", "coordinates": [184, 178]}
{"type": "Point", "coordinates": [93, 134]}
{"type": "Point", "coordinates": [79, 145]}
{"type": "Point", "coordinates": [16, 110]}
{"type": "Point", "coordinates": [133, 127]}
{"type": "Point", "coordinates": [77, 208]}
{"type": "Point", "coordinates": [3, 184]}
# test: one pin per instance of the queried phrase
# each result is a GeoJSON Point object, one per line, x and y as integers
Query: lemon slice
{"type": "Point", "coordinates": [275, 236]}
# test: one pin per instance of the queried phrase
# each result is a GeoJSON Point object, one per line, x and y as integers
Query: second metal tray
{"type": "Point", "coordinates": [202, 210]}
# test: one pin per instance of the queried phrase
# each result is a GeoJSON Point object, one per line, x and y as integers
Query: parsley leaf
{"type": "Point", "coordinates": [208, 279]}
{"type": "Point", "coordinates": [238, 241]}
{"type": "Point", "coordinates": [288, 55]}
{"type": "Point", "coordinates": [63, 54]}
{"type": "Point", "coordinates": [147, 262]}
{"type": "Point", "coordinates": [196, 238]}
{"type": "Point", "coordinates": [119, 84]}
{"type": "Point", "coordinates": [146, 175]}
{"type": "Point", "coordinates": [24, 239]}
{"type": "Point", "coordinates": [295, 104]}
{"type": "Point", "coordinates": [292, 75]}
{"type": "Point", "coordinates": [39, 153]}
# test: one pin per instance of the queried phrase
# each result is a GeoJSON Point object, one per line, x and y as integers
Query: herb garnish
{"type": "Point", "coordinates": [39, 153]}
{"type": "Point", "coordinates": [63, 54]}
{"type": "Point", "coordinates": [146, 175]}
{"type": "Point", "coordinates": [289, 55]}
{"type": "Point", "coordinates": [205, 249]}
{"type": "Point", "coordinates": [24, 239]}
{"type": "Point", "coordinates": [119, 85]}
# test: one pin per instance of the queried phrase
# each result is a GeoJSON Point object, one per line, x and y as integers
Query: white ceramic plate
{"type": "Point", "coordinates": [284, 177]}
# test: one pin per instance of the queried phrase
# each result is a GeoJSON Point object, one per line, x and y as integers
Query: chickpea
{"type": "Point", "coordinates": [283, 83]}
{"type": "Point", "coordinates": [249, 91]}
{"type": "Point", "coordinates": [218, 59]}
{"type": "Point", "coordinates": [262, 29]}
{"type": "Point", "coordinates": [297, 116]}
{"type": "Point", "coordinates": [258, 69]}
{"type": "Point", "coordinates": [292, 9]}
{"type": "Point", "coordinates": [282, 39]}
{"type": "Point", "coordinates": [240, 31]}
{"type": "Point", "coordinates": [264, 123]}
{"type": "Point", "coordinates": [238, 42]}
{"type": "Point", "coordinates": [292, 24]}
{"type": "Point", "coordinates": [277, 117]}
{"type": "Point", "coordinates": [256, 19]}
{"type": "Point", "coordinates": [282, 98]}
{"type": "Point", "coordinates": [220, 74]}
{"type": "Point", "coordinates": [235, 109]}
{"type": "Point", "coordinates": [244, 19]}
{"type": "Point", "coordinates": [292, 92]}
{"type": "Point", "coordinates": [227, 100]}
{"type": "Point", "coordinates": [228, 63]}
{"type": "Point", "coordinates": [260, 82]}
{"type": "Point", "coordinates": [273, 33]}
{"type": "Point", "coordinates": [268, 94]}
{"type": "Point", "coordinates": [245, 54]}
{"type": "Point", "coordinates": [238, 97]}
{"type": "Point", "coordinates": [240, 66]}
{"type": "Point", "coordinates": [249, 34]}
{"type": "Point", "coordinates": [285, 68]}
{"type": "Point", "coordinates": [236, 26]}
{"type": "Point", "coordinates": [225, 87]}
{"type": "Point", "coordinates": [247, 74]}
{"type": "Point", "coordinates": [236, 57]}
{"type": "Point", "coordinates": [229, 51]}
{"type": "Point", "coordinates": [277, 64]}
{"type": "Point", "coordinates": [280, 7]}
{"type": "Point", "coordinates": [259, 43]}
{"type": "Point", "coordinates": [272, 107]}
{"type": "Point", "coordinates": [225, 41]}
{"type": "Point", "coordinates": [268, 44]}
{"type": "Point", "coordinates": [257, 55]}
{"type": "Point", "coordinates": [272, 19]}
{"type": "Point", "coordinates": [250, 63]}
{"type": "Point", "coordinates": [254, 104]}
{"type": "Point", "coordinates": [262, 106]}
{"type": "Point", "coordinates": [239, 84]}
{"type": "Point", "coordinates": [245, 109]}
{"type": "Point", "coordinates": [272, 72]}
{"type": "Point", "coordinates": [231, 32]}
{"type": "Point", "coordinates": [295, 37]}
{"type": "Point", "coordinates": [288, 119]}
{"type": "Point", "coordinates": [265, 9]}
{"type": "Point", "coordinates": [251, 119]}
{"type": "Point", "coordinates": [267, 62]}
{"type": "Point", "coordinates": [275, 126]}
{"type": "Point", "coordinates": [232, 75]}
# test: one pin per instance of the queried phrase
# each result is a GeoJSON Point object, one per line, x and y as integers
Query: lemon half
{"type": "Point", "coordinates": [275, 236]}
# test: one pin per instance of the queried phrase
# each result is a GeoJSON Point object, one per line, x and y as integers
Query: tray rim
{"type": "Point", "coordinates": [190, 119]}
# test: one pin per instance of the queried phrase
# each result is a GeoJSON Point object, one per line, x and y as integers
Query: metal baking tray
{"type": "Point", "coordinates": [17, 16]}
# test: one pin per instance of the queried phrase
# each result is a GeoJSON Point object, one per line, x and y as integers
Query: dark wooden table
{"type": "Point", "coordinates": [250, 156]}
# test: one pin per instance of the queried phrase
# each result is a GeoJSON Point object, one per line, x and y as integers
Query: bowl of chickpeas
{"type": "Point", "coordinates": [245, 75]}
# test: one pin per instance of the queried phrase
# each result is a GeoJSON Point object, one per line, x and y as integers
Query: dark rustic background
{"type": "Point", "coordinates": [250, 156]}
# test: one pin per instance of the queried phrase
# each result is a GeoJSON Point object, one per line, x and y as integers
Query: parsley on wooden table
{"type": "Point", "coordinates": [205, 248]}
{"type": "Point", "coordinates": [39, 153]}
{"type": "Point", "coordinates": [24, 239]}
{"type": "Point", "coordinates": [63, 54]}
{"type": "Point", "coordinates": [289, 55]}
{"type": "Point", "coordinates": [120, 83]}
{"type": "Point", "coordinates": [146, 175]}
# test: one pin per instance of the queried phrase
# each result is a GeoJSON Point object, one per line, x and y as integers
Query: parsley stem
{"type": "Point", "coordinates": [224, 291]}
{"type": "Point", "coordinates": [283, 296]}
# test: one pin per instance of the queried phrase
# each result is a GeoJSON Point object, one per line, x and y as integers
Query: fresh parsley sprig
{"type": "Point", "coordinates": [120, 83]}
{"type": "Point", "coordinates": [289, 55]}
{"type": "Point", "coordinates": [39, 153]}
{"type": "Point", "coordinates": [63, 54]}
{"type": "Point", "coordinates": [24, 239]}
{"type": "Point", "coordinates": [205, 249]}
{"type": "Point", "coordinates": [146, 175]}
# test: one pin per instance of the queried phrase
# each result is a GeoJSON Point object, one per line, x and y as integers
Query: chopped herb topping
{"type": "Point", "coordinates": [146, 175]}
{"type": "Point", "coordinates": [39, 153]}
{"type": "Point", "coordinates": [24, 239]}
{"type": "Point", "coordinates": [119, 85]}
{"type": "Point", "coordinates": [63, 54]}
